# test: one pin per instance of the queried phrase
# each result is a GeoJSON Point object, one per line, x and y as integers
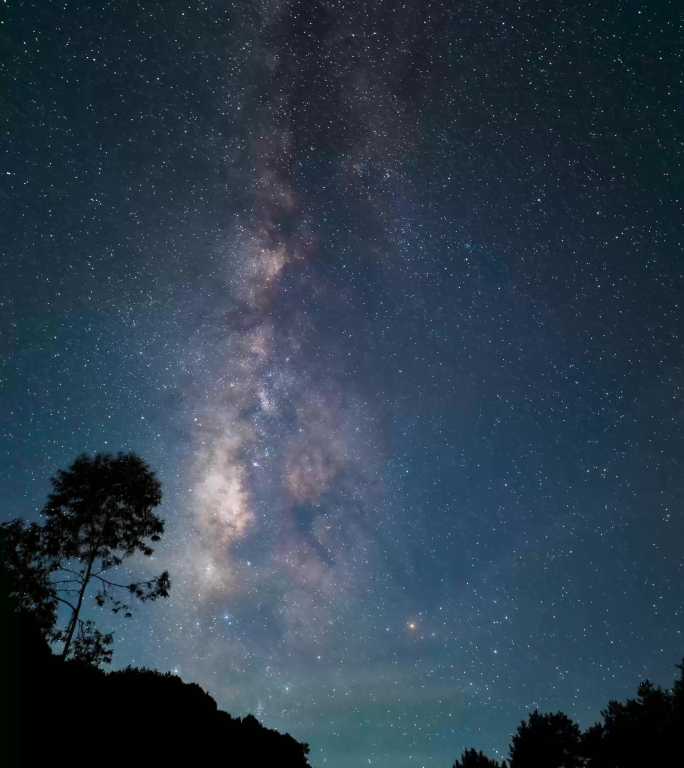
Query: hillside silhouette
{"type": "Point", "coordinates": [62, 709]}
{"type": "Point", "coordinates": [59, 713]}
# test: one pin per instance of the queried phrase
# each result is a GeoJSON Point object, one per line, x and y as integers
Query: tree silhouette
{"type": "Point", "coordinates": [647, 730]}
{"type": "Point", "coordinates": [99, 513]}
{"type": "Point", "coordinates": [25, 576]}
{"type": "Point", "coordinates": [472, 759]}
{"type": "Point", "coordinates": [546, 741]}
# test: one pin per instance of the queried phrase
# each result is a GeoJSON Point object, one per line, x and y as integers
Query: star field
{"type": "Point", "coordinates": [389, 294]}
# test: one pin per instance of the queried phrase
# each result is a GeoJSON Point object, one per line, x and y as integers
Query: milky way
{"type": "Point", "coordinates": [389, 295]}
{"type": "Point", "coordinates": [283, 485]}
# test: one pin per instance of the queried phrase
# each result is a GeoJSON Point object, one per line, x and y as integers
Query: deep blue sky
{"type": "Point", "coordinates": [389, 294]}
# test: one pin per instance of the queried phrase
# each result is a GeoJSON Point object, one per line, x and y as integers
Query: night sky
{"type": "Point", "coordinates": [389, 296]}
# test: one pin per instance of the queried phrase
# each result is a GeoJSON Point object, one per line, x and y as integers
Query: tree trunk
{"type": "Point", "coordinates": [74, 617]}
